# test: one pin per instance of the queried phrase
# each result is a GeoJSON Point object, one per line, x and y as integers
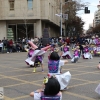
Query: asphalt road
{"type": "Point", "coordinates": [18, 80]}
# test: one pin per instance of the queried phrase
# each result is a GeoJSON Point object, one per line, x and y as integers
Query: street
{"type": "Point", "coordinates": [18, 80]}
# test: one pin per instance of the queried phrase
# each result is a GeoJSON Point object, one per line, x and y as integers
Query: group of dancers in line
{"type": "Point", "coordinates": [35, 58]}
{"type": "Point", "coordinates": [36, 55]}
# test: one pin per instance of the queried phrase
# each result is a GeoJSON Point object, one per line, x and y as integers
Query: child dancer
{"type": "Point", "coordinates": [50, 91]}
{"type": "Point", "coordinates": [54, 68]}
{"type": "Point", "coordinates": [52, 49]}
{"type": "Point", "coordinates": [36, 56]}
{"type": "Point", "coordinates": [87, 54]}
{"type": "Point", "coordinates": [30, 51]}
{"type": "Point", "coordinates": [76, 55]}
{"type": "Point", "coordinates": [66, 52]}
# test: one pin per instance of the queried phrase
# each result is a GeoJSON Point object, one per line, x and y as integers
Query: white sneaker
{"type": "Point", "coordinates": [7, 52]}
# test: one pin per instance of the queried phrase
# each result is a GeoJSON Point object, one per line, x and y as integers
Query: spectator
{"type": "Point", "coordinates": [73, 42]}
{"type": "Point", "coordinates": [18, 48]}
{"type": "Point", "coordinates": [68, 41]}
{"type": "Point", "coordinates": [4, 43]}
{"type": "Point", "coordinates": [1, 45]}
{"type": "Point", "coordinates": [36, 40]}
{"type": "Point", "coordinates": [10, 45]}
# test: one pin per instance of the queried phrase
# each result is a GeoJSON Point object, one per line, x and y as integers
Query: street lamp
{"type": "Point", "coordinates": [60, 15]}
{"type": "Point", "coordinates": [61, 19]}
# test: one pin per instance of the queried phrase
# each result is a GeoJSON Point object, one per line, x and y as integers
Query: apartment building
{"type": "Point", "coordinates": [97, 16]}
{"type": "Point", "coordinates": [28, 18]}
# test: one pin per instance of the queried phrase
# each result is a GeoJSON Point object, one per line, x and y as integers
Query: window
{"type": "Point", "coordinates": [30, 4]}
{"type": "Point", "coordinates": [96, 17]}
{"type": "Point", "coordinates": [11, 3]}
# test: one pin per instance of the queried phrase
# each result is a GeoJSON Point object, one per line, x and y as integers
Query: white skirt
{"type": "Point", "coordinates": [63, 79]}
{"type": "Point", "coordinates": [87, 55]}
{"type": "Point", "coordinates": [97, 90]}
{"type": "Point", "coordinates": [67, 53]}
{"type": "Point", "coordinates": [31, 60]}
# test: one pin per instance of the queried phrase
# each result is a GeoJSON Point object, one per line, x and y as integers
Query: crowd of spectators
{"type": "Point", "coordinates": [10, 46]}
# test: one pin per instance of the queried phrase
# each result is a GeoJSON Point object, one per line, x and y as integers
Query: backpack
{"type": "Point", "coordinates": [43, 97]}
{"type": "Point", "coordinates": [53, 66]}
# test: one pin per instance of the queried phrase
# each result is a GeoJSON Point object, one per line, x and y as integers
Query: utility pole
{"type": "Point", "coordinates": [61, 18]}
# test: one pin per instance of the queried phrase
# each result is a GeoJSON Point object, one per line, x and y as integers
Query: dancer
{"type": "Point", "coordinates": [30, 51]}
{"type": "Point", "coordinates": [76, 55]}
{"type": "Point", "coordinates": [54, 68]}
{"type": "Point", "coordinates": [50, 91]}
{"type": "Point", "coordinates": [97, 48]}
{"type": "Point", "coordinates": [66, 52]}
{"type": "Point", "coordinates": [52, 49]}
{"type": "Point", "coordinates": [37, 56]}
{"type": "Point", "coordinates": [87, 54]}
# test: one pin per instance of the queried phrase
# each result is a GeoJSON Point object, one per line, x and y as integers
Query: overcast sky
{"type": "Point", "coordinates": [88, 18]}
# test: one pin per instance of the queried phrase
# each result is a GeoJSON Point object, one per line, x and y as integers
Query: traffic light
{"type": "Point", "coordinates": [86, 10]}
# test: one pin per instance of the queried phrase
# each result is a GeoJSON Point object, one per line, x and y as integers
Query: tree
{"type": "Point", "coordinates": [74, 24]}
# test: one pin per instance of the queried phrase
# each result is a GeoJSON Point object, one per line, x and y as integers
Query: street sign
{"type": "Point", "coordinates": [65, 16]}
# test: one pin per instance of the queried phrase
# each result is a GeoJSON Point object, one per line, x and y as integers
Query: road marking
{"type": "Point", "coordinates": [80, 96]}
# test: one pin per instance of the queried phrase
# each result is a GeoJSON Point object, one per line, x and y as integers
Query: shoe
{"type": "Point", "coordinates": [7, 52]}
{"type": "Point", "coordinates": [34, 70]}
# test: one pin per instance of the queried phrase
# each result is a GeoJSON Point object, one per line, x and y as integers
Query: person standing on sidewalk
{"type": "Point", "coordinates": [1, 46]}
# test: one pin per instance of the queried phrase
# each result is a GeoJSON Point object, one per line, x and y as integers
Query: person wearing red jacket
{"type": "Point", "coordinates": [68, 41]}
{"type": "Point", "coordinates": [10, 45]}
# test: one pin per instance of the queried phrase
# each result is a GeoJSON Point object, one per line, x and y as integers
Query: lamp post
{"type": "Point", "coordinates": [61, 19]}
{"type": "Point", "coordinates": [61, 15]}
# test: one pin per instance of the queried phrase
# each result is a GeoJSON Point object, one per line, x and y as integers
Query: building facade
{"type": "Point", "coordinates": [28, 18]}
{"type": "Point", "coordinates": [97, 16]}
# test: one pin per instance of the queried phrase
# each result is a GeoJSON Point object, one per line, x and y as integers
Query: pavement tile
{"type": "Point", "coordinates": [15, 73]}
{"type": "Point", "coordinates": [66, 96]}
{"type": "Point", "coordinates": [6, 69]}
{"type": "Point", "coordinates": [32, 77]}
{"type": "Point", "coordinates": [89, 77]}
{"type": "Point", "coordinates": [87, 90]}
{"type": "Point", "coordinates": [87, 69]}
{"type": "Point", "coordinates": [7, 81]}
{"type": "Point", "coordinates": [76, 82]}
{"type": "Point", "coordinates": [19, 90]}
{"type": "Point", "coordinates": [27, 98]}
